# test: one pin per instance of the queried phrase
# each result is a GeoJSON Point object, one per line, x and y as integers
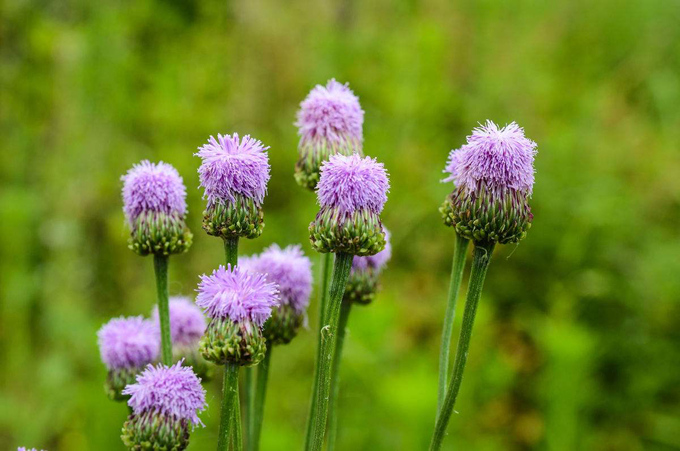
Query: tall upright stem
{"type": "Point", "coordinates": [160, 265]}
{"type": "Point", "coordinates": [260, 396]}
{"type": "Point", "coordinates": [457, 267]}
{"type": "Point", "coordinates": [249, 405]}
{"type": "Point", "coordinates": [230, 416]}
{"type": "Point", "coordinates": [326, 268]}
{"type": "Point", "coordinates": [480, 264]}
{"type": "Point", "coordinates": [230, 410]}
{"type": "Point", "coordinates": [335, 375]}
{"type": "Point", "coordinates": [327, 340]}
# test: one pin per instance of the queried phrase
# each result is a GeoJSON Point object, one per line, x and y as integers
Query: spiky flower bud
{"type": "Point", "coordinates": [154, 202]}
{"type": "Point", "coordinates": [494, 178]}
{"type": "Point", "coordinates": [238, 303]}
{"type": "Point", "coordinates": [234, 175]}
{"type": "Point", "coordinates": [330, 121]}
{"type": "Point", "coordinates": [187, 325]}
{"type": "Point", "coordinates": [363, 280]}
{"type": "Point", "coordinates": [165, 402]}
{"type": "Point", "coordinates": [126, 346]}
{"type": "Point", "coordinates": [351, 192]}
{"type": "Point", "coordinates": [291, 270]}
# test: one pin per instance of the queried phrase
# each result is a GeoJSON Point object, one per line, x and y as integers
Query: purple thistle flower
{"type": "Point", "coordinates": [351, 183]}
{"type": "Point", "coordinates": [149, 187]}
{"type": "Point", "coordinates": [499, 158]}
{"type": "Point", "coordinates": [172, 391]}
{"type": "Point", "coordinates": [128, 342]}
{"type": "Point", "coordinates": [187, 322]}
{"type": "Point", "coordinates": [331, 113]}
{"type": "Point", "coordinates": [291, 271]}
{"type": "Point", "coordinates": [375, 262]}
{"type": "Point", "coordinates": [233, 167]}
{"type": "Point", "coordinates": [237, 295]}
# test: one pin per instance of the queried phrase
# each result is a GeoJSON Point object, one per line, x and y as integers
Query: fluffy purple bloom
{"type": "Point", "coordinates": [352, 183]}
{"type": "Point", "coordinates": [22, 448]}
{"type": "Point", "coordinates": [375, 262]}
{"type": "Point", "coordinates": [237, 294]}
{"type": "Point", "coordinates": [330, 112]}
{"type": "Point", "coordinates": [153, 187]}
{"type": "Point", "coordinates": [233, 166]}
{"type": "Point", "coordinates": [172, 391]}
{"type": "Point", "coordinates": [500, 158]}
{"type": "Point", "coordinates": [128, 342]}
{"type": "Point", "coordinates": [291, 271]}
{"type": "Point", "coordinates": [187, 322]}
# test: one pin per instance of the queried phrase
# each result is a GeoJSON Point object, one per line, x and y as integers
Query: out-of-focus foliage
{"type": "Point", "coordinates": [577, 342]}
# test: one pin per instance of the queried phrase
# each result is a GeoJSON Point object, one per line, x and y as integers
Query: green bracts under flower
{"type": "Point", "coordinates": [488, 217]}
{"type": "Point", "coordinates": [225, 341]}
{"type": "Point", "coordinates": [153, 431]}
{"type": "Point", "coordinates": [314, 152]}
{"type": "Point", "coordinates": [117, 380]}
{"type": "Point", "coordinates": [361, 287]}
{"type": "Point", "coordinates": [360, 233]}
{"type": "Point", "coordinates": [242, 218]}
{"type": "Point", "coordinates": [159, 234]}
{"type": "Point", "coordinates": [282, 326]}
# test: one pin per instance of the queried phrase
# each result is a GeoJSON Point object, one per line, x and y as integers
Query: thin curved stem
{"type": "Point", "coordinates": [457, 268]}
{"type": "Point", "coordinates": [260, 396]}
{"type": "Point", "coordinates": [480, 264]}
{"type": "Point", "coordinates": [328, 337]}
{"type": "Point", "coordinates": [326, 268]}
{"type": "Point", "coordinates": [160, 265]}
{"type": "Point", "coordinates": [230, 414]}
{"type": "Point", "coordinates": [335, 375]}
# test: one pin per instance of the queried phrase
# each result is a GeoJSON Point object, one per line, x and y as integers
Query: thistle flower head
{"type": "Point", "coordinates": [351, 183]}
{"type": "Point", "coordinates": [376, 262]}
{"type": "Point", "coordinates": [187, 322]}
{"type": "Point", "coordinates": [499, 158]}
{"type": "Point", "coordinates": [332, 113]}
{"type": "Point", "coordinates": [291, 270]}
{"type": "Point", "coordinates": [128, 342]}
{"type": "Point", "coordinates": [233, 167]}
{"type": "Point", "coordinates": [237, 295]}
{"type": "Point", "coordinates": [173, 391]}
{"type": "Point", "coordinates": [150, 187]}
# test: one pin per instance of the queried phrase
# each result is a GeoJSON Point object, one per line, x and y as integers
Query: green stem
{"type": "Point", "coordinates": [260, 396]}
{"type": "Point", "coordinates": [328, 337]}
{"type": "Point", "coordinates": [335, 376]}
{"type": "Point", "coordinates": [457, 268]}
{"type": "Point", "coordinates": [480, 264]}
{"type": "Point", "coordinates": [231, 251]}
{"type": "Point", "coordinates": [249, 409]}
{"type": "Point", "coordinates": [160, 265]}
{"type": "Point", "coordinates": [326, 268]}
{"type": "Point", "coordinates": [230, 418]}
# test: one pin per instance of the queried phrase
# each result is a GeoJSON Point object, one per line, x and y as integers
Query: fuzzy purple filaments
{"type": "Point", "coordinates": [233, 166]}
{"type": "Point", "coordinates": [128, 342]}
{"type": "Point", "coordinates": [376, 262]}
{"type": "Point", "coordinates": [351, 183]}
{"type": "Point", "coordinates": [172, 391]}
{"type": "Point", "coordinates": [498, 158]}
{"type": "Point", "coordinates": [187, 322]}
{"type": "Point", "coordinates": [149, 187]}
{"type": "Point", "coordinates": [237, 294]}
{"type": "Point", "coordinates": [291, 270]}
{"type": "Point", "coordinates": [331, 113]}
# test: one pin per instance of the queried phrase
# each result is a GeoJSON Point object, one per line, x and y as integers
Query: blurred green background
{"type": "Point", "coordinates": [577, 341]}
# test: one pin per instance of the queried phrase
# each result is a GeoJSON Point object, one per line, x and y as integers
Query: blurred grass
{"type": "Point", "coordinates": [577, 343]}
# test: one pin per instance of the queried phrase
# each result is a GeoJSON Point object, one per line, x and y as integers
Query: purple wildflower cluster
{"type": "Point", "coordinates": [237, 294]}
{"type": "Point", "coordinates": [332, 113]}
{"type": "Point", "coordinates": [172, 391]}
{"type": "Point", "coordinates": [153, 187]}
{"type": "Point", "coordinates": [376, 262]}
{"type": "Point", "coordinates": [128, 342]}
{"type": "Point", "coordinates": [187, 322]}
{"type": "Point", "coordinates": [290, 270]}
{"type": "Point", "coordinates": [233, 166]}
{"type": "Point", "coordinates": [351, 183]}
{"type": "Point", "coordinates": [501, 158]}
{"type": "Point", "coordinates": [22, 448]}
